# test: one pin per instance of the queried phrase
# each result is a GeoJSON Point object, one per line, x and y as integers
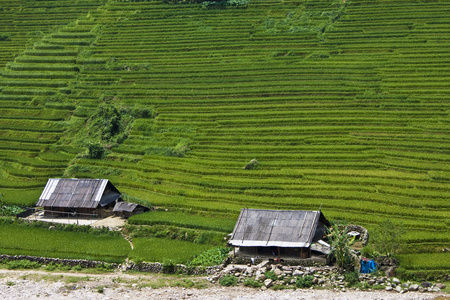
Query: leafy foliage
{"type": "Point", "coordinates": [95, 151]}
{"type": "Point", "coordinates": [168, 267]}
{"type": "Point", "coordinates": [341, 246]}
{"type": "Point", "coordinates": [387, 237]}
{"type": "Point", "coordinates": [304, 281]}
{"type": "Point", "coordinates": [22, 264]}
{"type": "Point", "coordinates": [8, 210]}
{"type": "Point", "coordinates": [228, 280]}
{"type": "Point", "coordinates": [270, 275]}
{"type": "Point", "coordinates": [250, 282]}
{"type": "Point", "coordinates": [352, 277]}
{"type": "Point", "coordinates": [211, 257]}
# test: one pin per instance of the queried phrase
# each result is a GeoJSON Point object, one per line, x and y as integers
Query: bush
{"type": "Point", "coordinates": [77, 268]}
{"type": "Point", "coordinates": [5, 37]}
{"type": "Point", "coordinates": [352, 277]}
{"type": "Point", "coordinates": [22, 264]}
{"type": "Point", "coordinates": [304, 282]}
{"type": "Point", "coordinates": [369, 252]}
{"type": "Point", "coordinates": [211, 257]}
{"type": "Point", "coordinates": [228, 280]}
{"type": "Point", "coordinates": [252, 283]}
{"type": "Point", "coordinates": [252, 165]}
{"type": "Point", "coordinates": [270, 275]}
{"type": "Point", "coordinates": [168, 267]}
{"type": "Point", "coordinates": [387, 237]}
{"type": "Point", "coordinates": [95, 150]}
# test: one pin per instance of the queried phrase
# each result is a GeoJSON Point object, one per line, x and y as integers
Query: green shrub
{"type": "Point", "coordinates": [369, 252]}
{"type": "Point", "coordinates": [228, 280]}
{"type": "Point", "coordinates": [22, 264]}
{"type": "Point", "coordinates": [304, 281]}
{"type": "Point", "coordinates": [96, 151]}
{"type": "Point", "coordinates": [250, 282]}
{"type": "Point", "coordinates": [51, 267]}
{"type": "Point", "coordinates": [77, 268]}
{"type": "Point", "coordinates": [211, 257]}
{"type": "Point", "coordinates": [168, 267]}
{"type": "Point", "coordinates": [5, 37]}
{"type": "Point", "coordinates": [270, 275]}
{"type": "Point", "coordinates": [352, 277]}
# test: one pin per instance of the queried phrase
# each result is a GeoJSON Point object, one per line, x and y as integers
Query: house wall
{"type": "Point", "coordinates": [275, 252]}
{"type": "Point", "coordinates": [64, 212]}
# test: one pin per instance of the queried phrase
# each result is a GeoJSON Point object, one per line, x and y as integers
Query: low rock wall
{"type": "Point", "coordinates": [128, 266]}
{"type": "Point", "coordinates": [47, 260]}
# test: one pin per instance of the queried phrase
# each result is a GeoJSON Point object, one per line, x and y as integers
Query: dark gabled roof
{"type": "Point", "coordinates": [279, 228]}
{"type": "Point", "coordinates": [124, 206]}
{"type": "Point", "coordinates": [78, 193]}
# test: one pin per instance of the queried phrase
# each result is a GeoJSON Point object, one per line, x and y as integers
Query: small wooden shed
{"type": "Point", "coordinates": [64, 197]}
{"type": "Point", "coordinates": [126, 209]}
{"type": "Point", "coordinates": [280, 233]}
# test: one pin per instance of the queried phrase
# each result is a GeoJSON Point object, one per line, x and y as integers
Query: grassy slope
{"type": "Point", "coordinates": [344, 106]}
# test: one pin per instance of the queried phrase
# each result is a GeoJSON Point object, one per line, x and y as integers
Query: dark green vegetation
{"type": "Point", "coordinates": [344, 106]}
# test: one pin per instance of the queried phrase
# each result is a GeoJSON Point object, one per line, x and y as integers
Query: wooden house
{"type": "Point", "coordinates": [278, 233]}
{"type": "Point", "coordinates": [79, 197]}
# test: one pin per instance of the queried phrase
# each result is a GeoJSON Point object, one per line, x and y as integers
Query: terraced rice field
{"type": "Point", "coordinates": [344, 105]}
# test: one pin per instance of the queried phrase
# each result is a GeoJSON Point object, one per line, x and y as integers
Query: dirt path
{"type": "Point", "coordinates": [67, 285]}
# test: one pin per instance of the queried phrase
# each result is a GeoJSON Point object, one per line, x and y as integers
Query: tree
{"type": "Point", "coordinates": [341, 246]}
{"type": "Point", "coordinates": [95, 150]}
{"type": "Point", "coordinates": [387, 237]}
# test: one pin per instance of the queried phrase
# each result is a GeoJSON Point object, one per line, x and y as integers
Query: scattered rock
{"type": "Point", "coordinates": [268, 283]}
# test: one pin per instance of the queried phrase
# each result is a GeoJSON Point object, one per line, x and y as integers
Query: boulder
{"type": "Point", "coordinates": [260, 277]}
{"type": "Point", "coordinates": [297, 273]}
{"type": "Point", "coordinates": [277, 272]}
{"type": "Point", "coordinates": [389, 288]}
{"type": "Point", "coordinates": [414, 287]}
{"type": "Point", "coordinates": [398, 289]}
{"type": "Point", "coordinates": [441, 286]}
{"type": "Point", "coordinates": [396, 280]}
{"type": "Point", "coordinates": [425, 284]}
{"type": "Point", "coordinates": [268, 283]}
{"type": "Point", "coordinates": [371, 281]}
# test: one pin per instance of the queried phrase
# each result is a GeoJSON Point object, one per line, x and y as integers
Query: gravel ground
{"type": "Point", "coordinates": [40, 284]}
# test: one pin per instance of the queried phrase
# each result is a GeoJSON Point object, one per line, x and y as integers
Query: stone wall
{"type": "Point", "coordinates": [47, 260]}
{"type": "Point", "coordinates": [364, 234]}
{"type": "Point", "coordinates": [127, 266]}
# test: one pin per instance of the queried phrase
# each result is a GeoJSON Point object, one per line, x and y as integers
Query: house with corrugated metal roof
{"type": "Point", "coordinates": [280, 233]}
{"type": "Point", "coordinates": [64, 197]}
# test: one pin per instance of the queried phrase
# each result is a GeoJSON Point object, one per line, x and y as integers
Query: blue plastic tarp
{"type": "Point", "coordinates": [368, 266]}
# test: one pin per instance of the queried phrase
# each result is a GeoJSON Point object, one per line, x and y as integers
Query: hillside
{"type": "Point", "coordinates": [344, 105]}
